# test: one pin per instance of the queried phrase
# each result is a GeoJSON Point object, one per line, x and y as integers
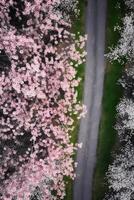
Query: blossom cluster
{"type": "Point", "coordinates": [125, 45]}
{"type": "Point", "coordinates": [67, 8]}
{"type": "Point", "coordinates": [130, 4]}
{"type": "Point", "coordinates": [120, 174]}
{"type": "Point", "coordinates": [38, 96]}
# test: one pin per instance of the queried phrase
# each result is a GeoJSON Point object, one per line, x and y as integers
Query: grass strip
{"type": "Point", "coordinates": [108, 140]}
{"type": "Point", "coordinates": [77, 26]}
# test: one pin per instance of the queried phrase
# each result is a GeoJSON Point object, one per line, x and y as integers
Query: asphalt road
{"type": "Point", "coordinates": [93, 90]}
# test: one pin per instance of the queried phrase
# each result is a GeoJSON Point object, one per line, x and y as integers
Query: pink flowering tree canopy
{"type": "Point", "coordinates": [38, 79]}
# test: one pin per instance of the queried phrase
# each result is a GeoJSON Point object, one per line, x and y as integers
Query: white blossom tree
{"type": "Point", "coordinates": [121, 175]}
{"type": "Point", "coordinates": [130, 3]}
{"type": "Point", "coordinates": [125, 45]}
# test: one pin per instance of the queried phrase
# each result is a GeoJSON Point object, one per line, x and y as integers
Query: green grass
{"type": "Point", "coordinates": [108, 140]}
{"type": "Point", "coordinates": [79, 23]}
{"type": "Point", "coordinates": [78, 26]}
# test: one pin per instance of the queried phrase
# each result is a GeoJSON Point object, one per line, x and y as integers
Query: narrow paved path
{"type": "Point", "coordinates": [93, 89]}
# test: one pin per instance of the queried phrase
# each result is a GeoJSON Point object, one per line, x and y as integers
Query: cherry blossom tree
{"type": "Point", "coordinates": [124, 125]}
{"type": "Point", "coordinates": [125, 45]}
{"type": "Point", "coordinates": [130, 4]}
{"type": "Point", "coordinates": [121, 175]}
{"type": "Point", "coordinates": [38, 96]}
